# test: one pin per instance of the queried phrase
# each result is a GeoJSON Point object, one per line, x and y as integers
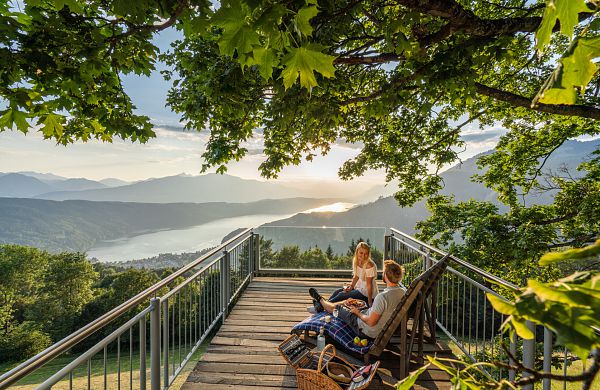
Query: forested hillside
{"type": "Point", "coordinates": [458, 182]}
{"type": "Point", "coordinates": [78, 225]}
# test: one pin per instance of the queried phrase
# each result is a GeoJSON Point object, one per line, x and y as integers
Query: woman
{"type": "Point", "coordinates": [364, 281]}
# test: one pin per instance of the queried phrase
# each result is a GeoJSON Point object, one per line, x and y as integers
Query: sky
{"type": "Point", "coordinates": [174, 151]}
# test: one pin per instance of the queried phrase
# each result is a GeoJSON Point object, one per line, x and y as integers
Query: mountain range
{"type": "Point", "coordinates": [128, 209]}
{"type": "Point", "coordinates": [385, 211]}
{"type": "Point", "coordinates": [174, 189]}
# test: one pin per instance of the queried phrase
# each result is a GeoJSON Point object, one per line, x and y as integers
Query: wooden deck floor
{"type": "Point", "coordinates": [243, 355]}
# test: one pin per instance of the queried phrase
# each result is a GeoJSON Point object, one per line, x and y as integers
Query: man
{"type": "Point", "coordinates": [369, 322]}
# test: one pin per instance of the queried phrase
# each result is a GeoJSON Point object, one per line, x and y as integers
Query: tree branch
{"type": "Point", "coordinates": [155, 27]}
{"type": "Point", "coordinates": [521, 101]}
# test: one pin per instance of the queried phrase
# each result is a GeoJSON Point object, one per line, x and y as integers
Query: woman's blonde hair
{"type": "Point", "coordinates": [360, 245]}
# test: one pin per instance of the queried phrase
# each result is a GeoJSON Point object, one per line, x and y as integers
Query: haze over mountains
{"type": "Point", "coordinates": [80, 224]}
{"type": "Point", "coordinates": [386, 212]}
{"type": "Point", "coordinates": [180, 188]}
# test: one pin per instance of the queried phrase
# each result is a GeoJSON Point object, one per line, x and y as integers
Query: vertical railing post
{"type": "Point", "coordinates": [155, 344]}
{"type": "Point", "coordinates": [165, 335]}
{"type": "Point", "coordinates": [251, 256]}
{"type": "Point", "coordinates": [529, 353]}
{"type": "Point", "coordinates": [225, 281]}
{"type": "Point", "coordinates": [547, 357]}
{"type": "Point", "coordinates": [433, 298]}
{"type": "Point", "coordinates": [143, 353]}
{"type": "Point", "coordinates": [513, 351]}
{"type": "Point", "coordinates": [386, 246]}
{"type": "Point", "coordinates": [256, 247]}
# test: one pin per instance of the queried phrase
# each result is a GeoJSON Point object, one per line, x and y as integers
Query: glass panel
{"type": "Point", "coordinates": [291, 247]}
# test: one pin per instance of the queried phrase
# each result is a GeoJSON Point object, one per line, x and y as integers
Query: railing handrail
{"type": "Point", "coordinates": [463, 263]}
{"type": "Point", "coordinates": [320, 227]}
{"type": "Point", "coordinates": [74, 338]}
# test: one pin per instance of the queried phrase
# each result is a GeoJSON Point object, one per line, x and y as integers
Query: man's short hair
{"type": "Point", "coordinates": [394, 272]}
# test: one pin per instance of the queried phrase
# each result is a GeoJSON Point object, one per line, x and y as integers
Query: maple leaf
{"type": "Point", "coordinates": [303, 62]}
{"type": "Point", "coordinates": [567, 11]}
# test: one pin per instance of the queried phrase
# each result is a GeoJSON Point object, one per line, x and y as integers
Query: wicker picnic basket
{"type": "Point", "coordinates": [318, 371]}
{"type": "Point", "coordinates": [316, 379]}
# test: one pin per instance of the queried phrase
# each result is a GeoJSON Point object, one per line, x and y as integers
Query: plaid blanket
{"type": "Point", "coordinates": [337, 330]}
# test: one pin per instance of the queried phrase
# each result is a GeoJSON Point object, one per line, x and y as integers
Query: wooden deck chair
{"type": "Point", "coordinates": [415, 304]}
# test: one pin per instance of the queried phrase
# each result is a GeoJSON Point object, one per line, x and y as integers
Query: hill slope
{"type": "Point", "coordinates": [78, 225]}
{"type": "Point", "coordinates": [385, 212]}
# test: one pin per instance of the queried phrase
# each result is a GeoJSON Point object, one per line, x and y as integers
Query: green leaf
{"type": "Point", "coordinates": [501, 305]}
{"type": "Point", "coordinates": [575, 72]}
{"type": "Point", "coordinates": [53, 126]}
{"type": "Point", "coordinates": [20, 120]}
{"type": "Point", "coordinates": [303, 62]}
{"type": "Point", "coordinates": [23, 19]}
{"type": "Point", "coordinates": [266, 60]}
{"type": "Point", "coordinates": [521, 328]}
{"type": "Point", "coordinates": [571, 298]}
{"type": "Point", "coordinates": [15, 117]}
{"type": "Point", "coordinates": [408, 382]}
{"type": "Point", "coordinates": [237, 34]}
{"type": "Point", "coordinates": [567, 11]}
{"type": "Point", "coordinates": [135, 9]}
{"type": "Point", "coordinates": [303, 17]}
{"type": "Point", "coordinates": [571, 254]}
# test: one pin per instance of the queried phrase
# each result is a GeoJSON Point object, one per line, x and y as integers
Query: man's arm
{"type": "Point", "coordinates": [371, 320]}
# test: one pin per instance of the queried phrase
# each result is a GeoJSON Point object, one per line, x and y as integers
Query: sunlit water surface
{"type": "Point", "coordinates": [190, 239]}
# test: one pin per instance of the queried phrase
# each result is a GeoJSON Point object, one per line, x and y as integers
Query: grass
{"type": "Point", "coordinates": [80, 379]}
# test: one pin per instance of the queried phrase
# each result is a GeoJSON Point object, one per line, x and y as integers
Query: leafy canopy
{"type": "Point", "coordinates": [400, 79]}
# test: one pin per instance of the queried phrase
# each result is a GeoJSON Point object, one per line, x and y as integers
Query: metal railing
{"type": "Point", "coordinates": [174, 317]}
{"type": "Point", "coordinates": [192, 304]}
{"type": "Point", "coordinates": [315, 250]}
{"type": "Point", "coordinates": [464, 314]}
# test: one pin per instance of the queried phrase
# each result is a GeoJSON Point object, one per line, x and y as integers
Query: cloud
{"type": "Point", "coordinates": [476, 136]}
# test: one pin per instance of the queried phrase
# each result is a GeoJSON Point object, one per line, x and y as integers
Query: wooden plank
{"type": "Point", "coordinates": [212, 357]}
{"type": "Point", "coordinates": [212, 386]}
{"type": "Point", "coordinates": [252, 322]}
{"type": "Point", "coordinates": [276, 306]}
{"type": "Point", "coordinates": [234, 368]}
{"type": "Point", "coordinates": [256, 336]}
{"type": "Point", "coordinates": [232, 341]}
{"type": "Point", "coordinates": [299, 315]}
{"type": "Point", "coordinates": [243, 350]}
{"type": "Point", "coordinates": [283, 381]}
{"type": "Point", "coordinates": [258, 328]}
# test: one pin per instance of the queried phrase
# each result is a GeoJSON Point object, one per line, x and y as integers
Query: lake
{"type": "Point", "coordinates": [190, 239]}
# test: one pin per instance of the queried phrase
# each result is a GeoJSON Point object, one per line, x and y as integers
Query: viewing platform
{"type": "Point", "coordinates": [243, 355]}
{"type": "Point", "coordinates": [225, 313]}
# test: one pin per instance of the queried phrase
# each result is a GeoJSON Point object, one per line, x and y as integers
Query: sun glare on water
{"type": "Point", "coordinates": [334, 208]}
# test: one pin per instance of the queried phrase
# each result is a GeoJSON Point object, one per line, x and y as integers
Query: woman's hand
{"type": "Point", "coordinates": [348, 287]}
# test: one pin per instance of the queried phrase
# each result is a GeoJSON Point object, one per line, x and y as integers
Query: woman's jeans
{"type": "Point", "coordinates": [340, 295]}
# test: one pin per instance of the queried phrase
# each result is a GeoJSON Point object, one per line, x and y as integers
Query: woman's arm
{"type": "Point", "coordinates": [353, 283]}
{"type": "Point", "coordinates": [370, 290]}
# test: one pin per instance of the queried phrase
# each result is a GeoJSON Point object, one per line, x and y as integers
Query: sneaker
{"type": "Point", "coordinates": [315, 294]}
{"type": "Point", "coordinates": [311, 309]}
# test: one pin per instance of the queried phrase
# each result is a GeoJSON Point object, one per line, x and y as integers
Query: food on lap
{"type": "Point", "coordinates": [357, 303]}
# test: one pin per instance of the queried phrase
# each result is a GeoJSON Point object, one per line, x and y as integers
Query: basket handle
{"type": "Point", "coordinates": [320, 365]}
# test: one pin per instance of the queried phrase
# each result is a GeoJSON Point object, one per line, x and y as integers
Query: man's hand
{"type": "Point", "coordinates": [354, 310]}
